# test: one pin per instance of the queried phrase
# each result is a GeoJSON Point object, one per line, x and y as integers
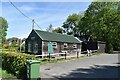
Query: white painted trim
{"type": "Point", "coordinates": [42, 49]}
{"type": "Point", "coordinates": [29, 47]}
{"type": "Point", "coordinates": [38, 35]}
{"type": "Point", "coordinates": [78, 40]}
{"type": "Point", "coordinates": [75, 46]}
{"type": "Point", "coordinates": [65, 44]}
{"type": "Point", "coordinates": [54, 43]}
{"type": "Point", "coordinates": [35, 48]}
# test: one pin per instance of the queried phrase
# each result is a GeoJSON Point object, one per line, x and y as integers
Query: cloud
{"type": "Point", "coordinates": [37, 8]}
{"type": "Point", "coordinates": [43, 13]}
{"type": "Point", "coordinates": [27, 8]}
{"type": "Point", "coordinates": [43, 19]}
{"type": "Point", "coordinates": [50, 0]}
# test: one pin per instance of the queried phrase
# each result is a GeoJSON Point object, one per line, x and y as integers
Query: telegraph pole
{"type": "Point", "coordinates": [33, 24]}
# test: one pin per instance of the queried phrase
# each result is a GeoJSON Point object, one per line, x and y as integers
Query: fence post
{"type": "Point", "coordinates": [65, 55]}
{"type": "Point", "coordinates": [77, 54]}
{"type": "Point", "coordinates": [49, 56]}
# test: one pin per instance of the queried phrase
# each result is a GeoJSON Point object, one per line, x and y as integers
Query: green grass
{"type": "Point", "coordinates": [4, 74]}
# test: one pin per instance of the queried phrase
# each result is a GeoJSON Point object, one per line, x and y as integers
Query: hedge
{"type": "Point", "coordinates": [15, 63]}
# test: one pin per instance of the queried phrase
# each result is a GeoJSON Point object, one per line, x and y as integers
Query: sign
{"type": "Point", "coordinates": [32, 38]}
{"type": "Point", "coordinates": [50, 48]}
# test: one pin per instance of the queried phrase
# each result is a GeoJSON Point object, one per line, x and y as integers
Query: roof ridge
{"type": "Point", "coordinates": [37, 33]}
{"type": "Point", "coordinates": [55, 33]}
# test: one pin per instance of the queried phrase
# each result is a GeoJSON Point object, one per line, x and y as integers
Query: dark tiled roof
{"type": "Point", "coordinates": [49, 36]}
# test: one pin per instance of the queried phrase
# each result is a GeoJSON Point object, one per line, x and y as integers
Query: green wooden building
{"type": "Point", "coordinates": [37, 42]}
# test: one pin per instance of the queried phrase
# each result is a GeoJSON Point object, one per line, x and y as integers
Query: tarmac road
{"type": "Point", "coordinates": [102, 66]}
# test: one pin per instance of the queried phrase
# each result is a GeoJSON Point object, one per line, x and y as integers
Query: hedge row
{"type": "Point", "coordinates": [15, 63]}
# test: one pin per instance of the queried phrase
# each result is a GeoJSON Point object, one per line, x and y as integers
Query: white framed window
{"type": "Point", "coordinates": [74, 45]}
{"type": "Point", "coordinates": [65, 45]}
{"type": "Point", "coordinates": [43, 43]}
{"type": "Point", "coordinates": [35, 48]}
{"type": "Point", "coordinates": [29, 47]}
{"type": "Point", "coordinates": [54, 44]}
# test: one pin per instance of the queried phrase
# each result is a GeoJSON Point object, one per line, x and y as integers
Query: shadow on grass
{"type": "Point", "coordinates": [101, 72]}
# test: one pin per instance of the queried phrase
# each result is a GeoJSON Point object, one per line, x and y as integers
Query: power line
{"type": "Point", "coordinates": [20, 11]}
{"type": "Point", "coordinates": [37, 25]}
{"type": "Point", "coordinates": [24, 14]}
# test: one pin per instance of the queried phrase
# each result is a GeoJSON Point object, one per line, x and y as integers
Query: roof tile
{"type": "Point", "coordinates": [50, 36]}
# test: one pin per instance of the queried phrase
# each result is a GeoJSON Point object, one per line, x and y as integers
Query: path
{"type": "Point", "coordinates": [103, 66]}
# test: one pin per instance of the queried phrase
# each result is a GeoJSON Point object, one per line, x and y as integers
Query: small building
{"type": "Point", "coordinates": [101, 47]}
{"type": "Point", "coordinates": [13, 40]}
{"type": "Point", "coordinates": [37, 42]}
{"type": "Point", "coordinates": [6, 44]}
{"type": "Point", "coordinates": [90, 44]}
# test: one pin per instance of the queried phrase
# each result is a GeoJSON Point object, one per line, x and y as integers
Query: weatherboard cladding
{"type": "Point", "coordinates": [49, 36]}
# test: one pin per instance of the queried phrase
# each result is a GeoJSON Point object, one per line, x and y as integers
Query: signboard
{"type": "Point", "coordinates": [50, 48]}
{"type": "Point", "coordinates": [32, 38]}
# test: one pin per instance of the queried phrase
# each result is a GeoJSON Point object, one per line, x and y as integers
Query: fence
{"type": "Point", "coordinates": [65, 54]}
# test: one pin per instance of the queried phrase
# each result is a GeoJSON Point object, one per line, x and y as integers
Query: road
{"type": "Point", "coordinates": [102, 66]}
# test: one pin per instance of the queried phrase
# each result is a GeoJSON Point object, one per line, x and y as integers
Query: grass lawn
{"type": "Point", "coordinates": [4, 74]}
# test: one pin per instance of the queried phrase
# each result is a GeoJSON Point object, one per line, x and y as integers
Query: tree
{"type": "Point", "coordinates": [70, 26]}
{"type": "Point", "coordinates": [101, 20]}
{"type": "Point", "coordinates": [3, 29]}
{"type": "Point", "coordinates": [58, 30]}
{"type": "Point", "coordinates": [50, 28]}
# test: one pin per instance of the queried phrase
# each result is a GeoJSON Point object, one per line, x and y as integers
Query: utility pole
{"type": "Point", "coordinates": [33, 24]}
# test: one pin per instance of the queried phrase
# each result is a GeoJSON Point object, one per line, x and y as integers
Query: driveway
{"type": "Point", "coordinates": [102, 66]}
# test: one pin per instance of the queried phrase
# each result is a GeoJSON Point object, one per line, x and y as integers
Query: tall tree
{"type": "Point", "coordinates": [3, 29]}
{"type": "Point", "coordinates": [70, 26]}
{"type": "Point", "coordinates": [50, 28]}
{"type": "Point", "coordinates": [58, 30]}
{"type": "Point", "coordinates": [101, 20]}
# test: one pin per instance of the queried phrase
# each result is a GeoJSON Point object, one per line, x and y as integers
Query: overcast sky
{"type": "Point", "coordinates": [44, 13]}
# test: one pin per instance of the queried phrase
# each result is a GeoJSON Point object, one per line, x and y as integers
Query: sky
{"type": "Point", "coordinates": [44, 13]}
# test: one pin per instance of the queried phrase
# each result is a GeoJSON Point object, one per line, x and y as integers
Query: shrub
{"type": "Point", "coordinates": [15, 63]}
{"type": "Point", "coordinates": [5, 74]}
{"type": "Point", "coordinates": [22, 49]}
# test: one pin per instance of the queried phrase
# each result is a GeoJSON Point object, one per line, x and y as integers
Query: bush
{"type": "Point", "coordinates": [5, 74]}
{"type": "Point", "coordinates": [22, 49]}
{"type": "Point", "coordinates": [15, 63]}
